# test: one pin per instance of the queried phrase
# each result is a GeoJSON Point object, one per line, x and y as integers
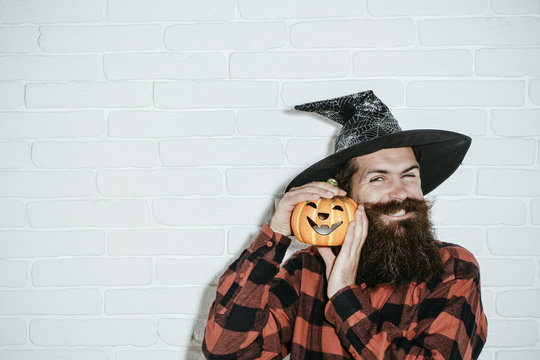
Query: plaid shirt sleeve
{"type": "Point", "coordinates": [448, 320]}
{"type": "Point", "coordinates": [241, 324]}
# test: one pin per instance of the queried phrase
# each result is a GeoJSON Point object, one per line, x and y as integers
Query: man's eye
{"type": "Point", "coordinates": [409, 175]}
{"type": "Point", "coordinates": [376, 179]}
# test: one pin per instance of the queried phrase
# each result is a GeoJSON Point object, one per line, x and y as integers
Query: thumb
{"type": "Point", "coordinates": [328, 257]}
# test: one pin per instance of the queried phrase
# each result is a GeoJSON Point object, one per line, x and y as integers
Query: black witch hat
{"type": "Point", "coordinates": [368, 126]}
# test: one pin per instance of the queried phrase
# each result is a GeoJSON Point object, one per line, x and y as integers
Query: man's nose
{"type": "Point", "coordinates": [397, 191]}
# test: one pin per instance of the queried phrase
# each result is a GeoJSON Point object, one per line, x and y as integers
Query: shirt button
{"type": "Point", "coordinates": [269, 244]}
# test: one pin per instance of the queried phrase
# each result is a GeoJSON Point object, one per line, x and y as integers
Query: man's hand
{"type": "Point", "coordinates": [341, 270]}
{"type": "Point", "coordinates": [281, 220]}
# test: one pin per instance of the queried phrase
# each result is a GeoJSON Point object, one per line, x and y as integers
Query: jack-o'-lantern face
{"type": "Point", "coordinates": [323, 222]}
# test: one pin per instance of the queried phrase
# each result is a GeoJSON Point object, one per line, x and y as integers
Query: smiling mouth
{"type": "Point", "coordinates": [398, 213]}
{"type": "Point", "coordinates": [323, 230]}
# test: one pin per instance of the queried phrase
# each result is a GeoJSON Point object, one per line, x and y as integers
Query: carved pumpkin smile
{"type": "Point", "coordinates": [323, 229]}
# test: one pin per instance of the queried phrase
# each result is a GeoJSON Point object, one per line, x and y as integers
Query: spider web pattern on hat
{"type": "Point", "coordinates": [363, 115]}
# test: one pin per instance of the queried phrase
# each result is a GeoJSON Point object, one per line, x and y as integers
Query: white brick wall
{"type": "Point", "coordinates": [143, 142]}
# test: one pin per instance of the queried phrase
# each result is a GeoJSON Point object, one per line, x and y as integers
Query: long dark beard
{"type": "Point", "coordinates": [399, 251]}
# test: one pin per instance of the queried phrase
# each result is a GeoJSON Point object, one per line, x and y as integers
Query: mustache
{"type": "Point", "coordinates": [386, 208]}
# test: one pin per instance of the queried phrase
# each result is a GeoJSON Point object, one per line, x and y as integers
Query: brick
{"type": "Point", "coordinates": [507, 62]}
{"type": "Point", "coordinates": [51, 302]}
{"type": "Point", "coordinates": [21, 39]}
{"type": "Point", "coordinates": [12, 332]}
{"type": "Point", "coordinates": [426, 8]}
{"type": "Point", "coordinates": [522, 31]}
{"type": "Point", "coordinates": [160, 182]}
{"type": "Point", "coordinates": [150, 355]}
{"type": "Point", "coordinates": [33, 244]}
{"type": "Point", "coordinates": [294, 93]}
{"type": "Point", "coordinates": [11, 95]}
{"type": "Point", "coordinates": [470, 238]}
{"type": "Point", "coordinates": [259, 181]}
{"type": "Point", "coordinates": [88, 213]}
{"type": "Point", "coordinates": [413, 63]}
{"type": "Point", "coordinates": [514, 241]}
{"type": "Point", "coordinates": [92, 271]}
{"type": "Point", "coordinates": [462, 182]}
{"type": "Point", "coordinates": [344, 34]}
{"type": "Point", "coordinates": [50, 67]}
{"type": "Point", "coordinates": [89, 94]}
{"type": "Point", "coordinates": [93, 332]}
{"type": "Point", "coordinates": [13, 155]}
{"type": "Point", "coordinates": [466, 93]}
{"type": "Point", "coordinates": [94, 154]}
{"type": "Point", "coordinates": [239, 239]}
{"type": "Point", "coordinates": [181, 332]}
{"type": "Point", "coordinates": [53, 11]}
{"type": "Point", "coordinates": [518, 354]}
{"type": "Point", "coordinates": [215, 94]}
{"type": "Point", "coordinates": [166, 242]}
{"type": "Point", "coordinates": [512, 333]}
{"type": "Point", "coordinates": [535, 211]}
{"type": "Point", "coordinates": [508, 182]}
{"type": "Point", "coordinates": [45, 354]}
{"type": "Point", "coordinates": [507, 272]}
{"type": "Point", "coordinates": [195, 300]}
{"type": "Point", "coordinates": [283, 123]}
{"type": "Point", "coordinates": [186, 271]}
{"type": "Point", "coordinates": [519, 303]}
{"type": "Point", "coordinates": [517, 122]}
{"type": "Point", "coordinates": [46, 183]}
{"type": "Point", "coordinates": [307, 152]}
{"type": "Point", "coordinates": [471, 122]}
{"type": "Point", "coordinates": [515, 7]}
{"type": "Point", "coordinates": [487, 302]}
{"type": "Point", "coordinates": [282, 9]}
{"type": "Point", "coordinates": [232, 151]}
{"type": "Point", "coordinates": [170, 66]}
{"type": "Point", "coordinates": [13, 273]}
{"type": "Point", "coordinates": [212, 212]}
{"type": "Point", "coordinates": [76, 38]}
{"type": "Point", "coordinates": [169, 10]}
{"type": "Point", "coordinates": [501, 152]}
{"type": "Point", "coordinates": [479, 212]}
{"type": "Point", "coordinates": [13, 213]}
{"type": "Point", "coordinates": [51, 124]}
{"type": "Point", "coordinates": [534, 91]}
{"type": "Point", "coordinates": [291, 65]}
{"type": "Point", "coordinates": [226, 36]}
{"type": "Point", "coordinates": [152, 124]}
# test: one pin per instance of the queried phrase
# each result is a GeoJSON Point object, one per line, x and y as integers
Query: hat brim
{"type": "Point", "coordinates": [438, 152]}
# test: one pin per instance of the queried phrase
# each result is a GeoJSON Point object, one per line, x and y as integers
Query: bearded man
{"type": "Point", "coordinates": [391, 291]}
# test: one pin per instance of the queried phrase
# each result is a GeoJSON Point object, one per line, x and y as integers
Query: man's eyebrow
{"type": "Point", "coordinates": [411, 168]}
{"type": "Point", "coordinates": [382, 171]}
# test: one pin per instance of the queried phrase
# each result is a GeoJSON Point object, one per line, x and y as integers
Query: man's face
{"type": "Point", "coordinates": [387, 175]}
{"type": "Point", "coordinates": [400, 245]}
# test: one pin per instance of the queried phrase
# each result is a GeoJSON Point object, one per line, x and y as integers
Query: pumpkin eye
{"type": "Point", "coordinates": [337, 207]}
{"type": "Point", "coordinates": [312, 204]}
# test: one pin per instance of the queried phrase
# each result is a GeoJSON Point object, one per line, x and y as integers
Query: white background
{"type": "Point", "coordinates": [143, 142]}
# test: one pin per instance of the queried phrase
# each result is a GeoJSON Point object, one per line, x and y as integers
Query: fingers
{"type": "Point", "coordinates": [356, 234]}
{"type": "Point", "coordinates": [312, 191]}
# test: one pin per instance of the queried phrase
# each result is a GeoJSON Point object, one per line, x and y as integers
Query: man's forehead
{"type": "Point", "coordinates": [387, 160]}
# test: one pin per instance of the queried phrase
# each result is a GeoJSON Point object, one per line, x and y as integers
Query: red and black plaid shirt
{"type": "Point", "coordinates": [265, 311]}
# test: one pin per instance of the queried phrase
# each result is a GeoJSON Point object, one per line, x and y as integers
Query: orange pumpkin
{"type": "Point", "coordinates": [323, 222]}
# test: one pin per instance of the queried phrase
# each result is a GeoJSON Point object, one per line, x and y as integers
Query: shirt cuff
{"type": "Point", "coordinates": [350, 306]}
